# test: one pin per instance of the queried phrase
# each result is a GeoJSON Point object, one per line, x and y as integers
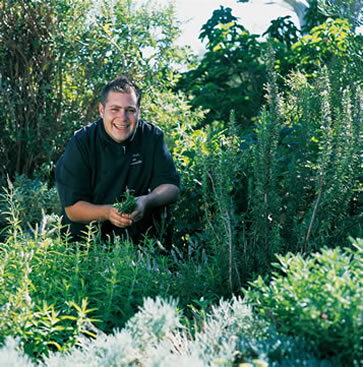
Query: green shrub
{"type": "Point", "coordinates": [52, 288]}
{"type": "Point", "coordinates": [33, 198]}
{"type": "Point", "coordinates": [318, 298]}
{"type": "Point", "coordinates": [41, 322]}
{"type": "Point", "coordinates": [290, 186]}
{"type": "Point", "coordinates": [50, 86]}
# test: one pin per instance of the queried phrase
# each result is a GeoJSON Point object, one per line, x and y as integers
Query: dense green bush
{"type": "Point", "coordinates": [230, 74]}
{"type": "Point", "coordinates": [292, 185]}
{"type": "Point", "coordinates": [331, 43]}
{"type": "Point", "coordinates": [33, 198]}
{"type": "Point", "coordinates": [318, 298]}
{"type": "Point", "coordinates": [52, 288]}
{"type": "Point", "coordinates": [41, 323]}
{"type": "Point", "coordinates": [53, 292]}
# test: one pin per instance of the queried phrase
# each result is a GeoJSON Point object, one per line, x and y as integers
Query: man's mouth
{"type": "Point", "coordinates": [121, 126]}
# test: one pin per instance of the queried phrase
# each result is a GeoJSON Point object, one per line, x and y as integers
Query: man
{"type": "Point", "coordinates": [118, 152]}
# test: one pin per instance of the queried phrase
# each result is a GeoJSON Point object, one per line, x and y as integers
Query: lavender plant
{"type": "Point", "coordinates": [155, 337]}
{"type": "Point", "coordinates": [12, 356]}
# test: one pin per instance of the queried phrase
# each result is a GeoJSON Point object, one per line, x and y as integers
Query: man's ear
{"type": "Point", "coordinates": [100, 108]}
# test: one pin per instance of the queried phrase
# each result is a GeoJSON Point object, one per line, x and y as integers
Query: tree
{"type": "Point", "coordinates": [230, 74]}
{"type": "Point", "coordinates": [313, 12]}
{"type": "Point", "coordinates": [332, 43]}
{"type": "Point", "coordinates": [54, 58]}
{"type": "Point", "coordinates": [30, 95]}
{"type": "Point", "coordinates": [346, 9]}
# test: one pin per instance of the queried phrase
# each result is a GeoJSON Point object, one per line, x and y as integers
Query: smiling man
{"type": "Point", "coordinates": [115, 153]}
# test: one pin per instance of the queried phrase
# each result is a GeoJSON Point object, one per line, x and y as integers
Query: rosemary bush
{"type": "Point", "coordinates": [306, 168]}
{"type": "Point", "coordinates": [291, 185]}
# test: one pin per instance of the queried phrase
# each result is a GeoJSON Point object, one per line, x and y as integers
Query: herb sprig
{"type": "Point", "coordinates": [127, 204]}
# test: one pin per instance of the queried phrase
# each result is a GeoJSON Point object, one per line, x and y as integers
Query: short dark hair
{"type": "Point", "coordinates": [121, 84]}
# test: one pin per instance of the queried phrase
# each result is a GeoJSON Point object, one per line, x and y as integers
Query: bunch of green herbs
{"type": "Point", "coordinates": [127, 204]}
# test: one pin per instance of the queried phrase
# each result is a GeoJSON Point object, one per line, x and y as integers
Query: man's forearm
{"type": "Point", "coordinates": [85, 212]}
{"type": "Point", "coordinates": [163, 195]}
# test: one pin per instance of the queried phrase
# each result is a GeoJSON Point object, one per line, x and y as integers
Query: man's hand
{"type": "Point", "coordinates": [161, 195]}
{"type": "Point", "coordinates": [119, 219]}
{"type": "Point", "coordinates": [85, 212]}
{"type": "Point", "coordinates": [125, 220]}
{"type": "Point", "coordinates": [142, 203]}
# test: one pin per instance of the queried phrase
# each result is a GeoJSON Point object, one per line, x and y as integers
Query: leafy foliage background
{"type": "Point", "coordinates": [267, 138]}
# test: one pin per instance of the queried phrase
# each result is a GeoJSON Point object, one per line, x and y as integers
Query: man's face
{"type": "Point", "coordinates": [120, 115]}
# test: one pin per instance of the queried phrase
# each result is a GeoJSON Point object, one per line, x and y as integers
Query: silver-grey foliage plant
{"type": "Point", "coordinates": [154, 337]}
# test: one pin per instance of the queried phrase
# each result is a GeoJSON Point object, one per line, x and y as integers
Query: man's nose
{"type": "Point", "coordinates": [122, 114]}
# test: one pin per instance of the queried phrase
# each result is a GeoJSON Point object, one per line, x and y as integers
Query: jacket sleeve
{"type": "Point", "coordinates": [73, 174]}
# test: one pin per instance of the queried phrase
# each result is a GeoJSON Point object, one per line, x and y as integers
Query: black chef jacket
{"type": "Point", "coordinates": [96, 169]}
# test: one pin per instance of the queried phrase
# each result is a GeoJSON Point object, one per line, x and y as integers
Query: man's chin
{"type": "Point", "coordinates": [121, 138]}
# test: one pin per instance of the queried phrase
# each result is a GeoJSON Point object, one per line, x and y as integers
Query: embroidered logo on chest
{"type": "Point", "coordinates": [136, 159]}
